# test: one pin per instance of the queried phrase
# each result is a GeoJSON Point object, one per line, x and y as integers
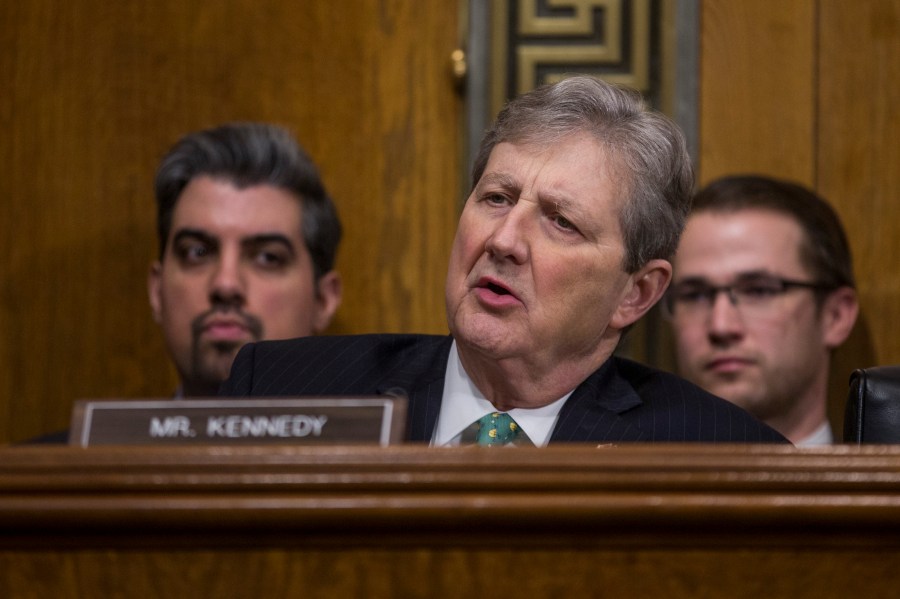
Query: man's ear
{"type": "Point", "coordinates": [154, 290]}
{"type": "Point", "coordinates": [329, 292]}
{"type": "Point", "coordinates": [645, 287]}
{"type": "Point", "coordinates": [838, 315]}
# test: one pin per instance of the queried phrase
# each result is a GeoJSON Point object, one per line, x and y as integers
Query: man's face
{"type": "Point", "coordinates": [536, 267]}
{"type": "Point", "coordinates": [763, 358]}
{"type": "Point", "coordinates": [235, 269]}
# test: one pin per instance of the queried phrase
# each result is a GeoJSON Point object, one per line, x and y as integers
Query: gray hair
{"type": "Point", "coordinates": [248, 154]}
{"type": "Point", "coordinates": [647, 148]}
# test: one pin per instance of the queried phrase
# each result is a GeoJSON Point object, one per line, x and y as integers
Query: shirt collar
{"type": "Point", "coordinates": [462, 404]}
{"type": "Point", "coordinates": [821, 436]}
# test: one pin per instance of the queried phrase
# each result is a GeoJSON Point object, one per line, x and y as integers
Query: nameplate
{"type": "Point", "coordinates": [377, 420]}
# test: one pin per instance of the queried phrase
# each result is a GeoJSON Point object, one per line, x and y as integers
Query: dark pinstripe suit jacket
{"type": "Point", "coordinates": [621, 401]}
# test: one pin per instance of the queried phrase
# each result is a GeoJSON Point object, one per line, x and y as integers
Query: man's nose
{"type": "Point", "coordinates": [228, 285]}
{"type": "Point", "coordinates": [509, 239]}
{"type": "Point", "coordinates": [725, 318]}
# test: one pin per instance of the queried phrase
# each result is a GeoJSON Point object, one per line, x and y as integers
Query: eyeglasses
{"type": "Point", "coordinates": [694, 298]}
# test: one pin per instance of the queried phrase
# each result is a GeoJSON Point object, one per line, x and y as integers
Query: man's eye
{"type": "Point", "coordinates": [563, 223]}
{"type": "Point", "coordinates": [693, 296]}
{"type": "Point", "coordinates": [495, 199]}
{"type": "Point", "coordinates": [757, 291]}
{"type": "Point", "coordinates": [270, 259]}
{"type": "Point", "coordinates": [193, 253]}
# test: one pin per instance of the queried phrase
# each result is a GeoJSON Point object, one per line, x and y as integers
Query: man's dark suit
{"type": "Point", "coordinates": [622, 401]}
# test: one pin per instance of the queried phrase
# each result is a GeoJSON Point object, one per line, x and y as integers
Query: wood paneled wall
{"type": "Point", "coordinates": [94, 92]}
{"type": "Point", "coordinates": [808, 90]}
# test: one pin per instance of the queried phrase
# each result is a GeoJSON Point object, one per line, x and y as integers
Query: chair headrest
{"type": "Point", "coordinates": [872, 414]}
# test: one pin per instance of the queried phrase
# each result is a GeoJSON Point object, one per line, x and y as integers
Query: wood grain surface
{"type": "Point", "coordinates": [406, 521]}
{"type": "Point", "coordinates": [94, 93]}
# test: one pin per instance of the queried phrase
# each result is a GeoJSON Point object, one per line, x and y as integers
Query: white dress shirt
{"type": "Point", "coordinates": [462, 404]}
{"type": "Point", "coordinates": [821, 436]}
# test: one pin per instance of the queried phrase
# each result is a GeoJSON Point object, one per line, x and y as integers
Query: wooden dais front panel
{"type": "Point", "coordinates": [648, 521]}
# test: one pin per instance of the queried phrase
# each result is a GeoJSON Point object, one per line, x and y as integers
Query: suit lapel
{"type": "Point", "coordinates": [592, 412]}
{"type": "Point", "coordinates": [422, 381]}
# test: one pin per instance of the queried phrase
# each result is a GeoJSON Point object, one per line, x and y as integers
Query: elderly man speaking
{"type": "Point", "coordinates": [579, 197]}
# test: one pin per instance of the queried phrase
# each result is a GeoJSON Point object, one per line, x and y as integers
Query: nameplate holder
{"type": "Point", "coordinates": [378, 420]}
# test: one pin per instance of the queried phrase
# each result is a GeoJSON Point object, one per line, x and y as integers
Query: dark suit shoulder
{"type": "Point", "coordinates": [387, 344]}
{"type": "Point", "coordinates": [674, 409]}
{"type": "Point", "coordinates": [641, 376]}
{"type": "Point", "coordinates": [54, 438]}
{"type": "Point", "coordinates": [333, 365]}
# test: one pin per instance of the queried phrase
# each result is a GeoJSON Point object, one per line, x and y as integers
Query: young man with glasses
{"type": "Point", "coordinates": [762, 293]}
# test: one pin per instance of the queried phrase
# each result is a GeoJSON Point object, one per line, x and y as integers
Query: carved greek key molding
{"type": "Point", "coordinates": [552, 38]}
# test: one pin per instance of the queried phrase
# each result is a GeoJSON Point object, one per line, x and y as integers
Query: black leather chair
{"type": "Point", "coordinates": [872, 414]}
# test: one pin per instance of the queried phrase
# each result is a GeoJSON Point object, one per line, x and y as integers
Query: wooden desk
{"type": "Point", "coordinates": [629, 521]}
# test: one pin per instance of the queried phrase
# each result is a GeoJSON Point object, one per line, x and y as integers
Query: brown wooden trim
{"type": "Point", "coordinates": [646, 496]}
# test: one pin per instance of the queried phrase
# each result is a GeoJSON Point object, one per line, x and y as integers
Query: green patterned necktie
{"type": "Point", "coordinates": [495, 429]}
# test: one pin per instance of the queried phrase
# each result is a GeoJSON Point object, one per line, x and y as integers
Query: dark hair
{"type": "Point", "coordinates": [646, 148]}
{"type": "Point", "coordinates": [824, 251]}
{"type": "Point", "coordinates": [248, 154]}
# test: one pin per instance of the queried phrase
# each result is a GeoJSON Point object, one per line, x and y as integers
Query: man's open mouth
{"type": "Point", "coordinates": [498, 289]}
